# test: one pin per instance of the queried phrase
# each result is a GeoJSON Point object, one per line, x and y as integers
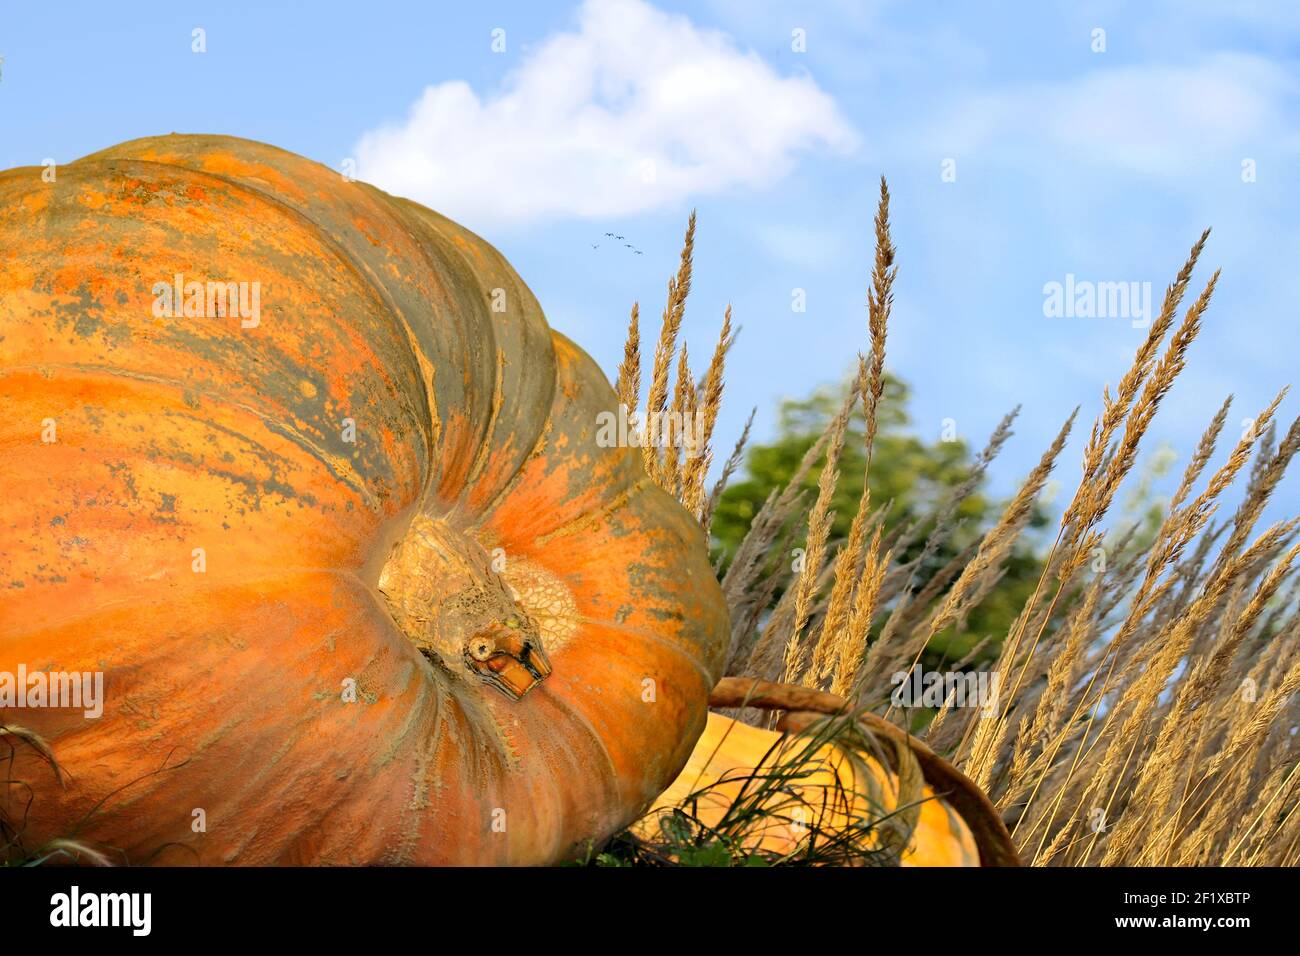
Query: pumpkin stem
{"type": "Point", "coordinates": [444, 595]}
{"type": "Point", "coordinates": [508, 659]}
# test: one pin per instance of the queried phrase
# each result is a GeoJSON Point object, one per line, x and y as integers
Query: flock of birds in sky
{"type": "Point", "coordinates": [622, 239]}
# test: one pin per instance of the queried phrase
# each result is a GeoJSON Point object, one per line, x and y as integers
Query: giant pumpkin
{"type": "Point", "coordinates": [361, 583]}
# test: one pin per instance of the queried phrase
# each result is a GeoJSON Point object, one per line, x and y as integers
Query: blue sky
{"type": "Point", "coordinates": [1104, 165]}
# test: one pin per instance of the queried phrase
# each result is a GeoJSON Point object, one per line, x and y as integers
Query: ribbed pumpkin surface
{"type": "Point", "coordinates": [325, 560]}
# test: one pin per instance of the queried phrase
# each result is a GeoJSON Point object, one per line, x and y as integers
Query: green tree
{"type": "Point", "coordinates": [910, 477]}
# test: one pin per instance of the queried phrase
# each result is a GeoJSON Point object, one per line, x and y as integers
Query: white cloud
{"type": "Point", "coordinates": [634, 110]}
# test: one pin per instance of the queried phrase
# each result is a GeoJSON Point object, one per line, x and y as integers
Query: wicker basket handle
{"type": "Point", "coordinates": [805, 706]}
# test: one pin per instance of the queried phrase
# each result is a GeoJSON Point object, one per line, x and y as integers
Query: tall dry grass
{"type": "Point", "coordinates": [1147, 712]}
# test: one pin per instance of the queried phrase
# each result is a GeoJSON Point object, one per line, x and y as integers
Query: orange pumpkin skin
{"type": "Point", "coordinates": [324, 562]}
